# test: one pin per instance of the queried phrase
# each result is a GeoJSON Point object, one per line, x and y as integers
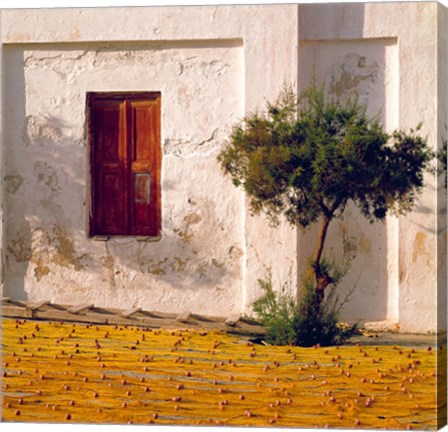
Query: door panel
{"type": "Point", "coordinates": [110, 167]}
{"type": "Point", "coordinates": [145, 172]}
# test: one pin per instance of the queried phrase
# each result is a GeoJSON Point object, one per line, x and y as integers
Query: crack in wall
{"type": "Point", "coordinates": [191, 149]}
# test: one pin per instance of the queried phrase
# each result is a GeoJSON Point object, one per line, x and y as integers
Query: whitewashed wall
{"type": "Point", "coordinates": [212, 65]}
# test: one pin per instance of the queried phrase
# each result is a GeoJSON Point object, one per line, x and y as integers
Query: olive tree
{"type": "Point", "coordinates": [307, 157]}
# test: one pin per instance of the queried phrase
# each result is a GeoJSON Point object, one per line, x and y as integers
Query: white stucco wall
{"type": "Point", "coordinates": [200, 244]}
{"type": "Point", "coordinates": [212, 65]}
{"type": "Point", "coordinates": [201, 60]}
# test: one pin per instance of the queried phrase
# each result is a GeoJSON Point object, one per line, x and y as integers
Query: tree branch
{"type": "Point", "coordinates": [325, 210]}
{"type": "Point", "coordinates": [320, 247]}
{"type": "Point", "coordinates": [335, 205]}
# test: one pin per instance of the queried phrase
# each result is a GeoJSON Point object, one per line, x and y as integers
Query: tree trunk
{"type": "Point", "coordinates": [322, 278]}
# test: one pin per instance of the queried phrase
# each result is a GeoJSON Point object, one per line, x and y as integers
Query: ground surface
{"type": "Point", "coordinates": [63, 372]}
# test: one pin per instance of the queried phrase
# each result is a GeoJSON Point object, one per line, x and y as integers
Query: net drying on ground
{"type": "Point", "coordinates": [64, 372]}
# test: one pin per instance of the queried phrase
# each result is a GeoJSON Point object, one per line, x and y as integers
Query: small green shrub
{"type": "Point", "coordinates": [318, 323]}
{"type": "Point", "coordinates": [307, 321]}
{"type": "Point", "coordinates": [277, 311]}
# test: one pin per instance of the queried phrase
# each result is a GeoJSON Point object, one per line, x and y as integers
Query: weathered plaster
{"type": "Point", "coordinates": [52, 155]}
{"type": "Point", "coordinates": [13, 183]}
{"type": "Point", "coordinates": [201, 71]}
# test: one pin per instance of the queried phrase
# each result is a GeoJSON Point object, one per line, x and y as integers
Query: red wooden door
{"type": "Point", "coordinates": [126, 164]}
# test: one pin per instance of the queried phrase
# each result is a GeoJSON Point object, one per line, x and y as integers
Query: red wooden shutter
{"type": "Point", "coordinates": [126, 164]}
{"type": "Point", "coordinates": [144, 120]}
{"type": "Point", "coordinates": [110, 195]}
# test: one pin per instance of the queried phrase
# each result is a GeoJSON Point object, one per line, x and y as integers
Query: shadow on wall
{"type": "Point", "coordinates": [439, 232]}
{"type": "Point", "coordinates": [44, 192]}
{"type": "Point", "coordinates": [18, 252]}
{"type": "Point", "coordinates": [335, 55]}
{"type": "Point", "coordinates": [41, 190]}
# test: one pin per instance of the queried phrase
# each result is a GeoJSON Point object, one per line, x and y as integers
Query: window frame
{"type": "Point", "coordinates": [128, 97]}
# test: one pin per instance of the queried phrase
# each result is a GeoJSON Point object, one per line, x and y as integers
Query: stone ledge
{"type": "Point", "coordinates": [89, 313]}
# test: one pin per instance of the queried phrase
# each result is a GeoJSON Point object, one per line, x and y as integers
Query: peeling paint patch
{"type": "Point", "coordinates": [66, 255]}
{"type": "Point", "coordinates": [46, 175]}
{"type": "Point", "coordinates": [349, 245]}
{"type": "Point", "coordinates": [365, 244]}
{"type": "Point", "coordinates": [186, 233]}
{"type": "Point", "coordinates": [46, 249]}
{"type": "Point", "coordinates": [166, 266]}
{"type": "Point", "coordinates": [217, 263]}
{"type": "Point", "coordinates": [13, 183]}
{"type": "Point", "coordinates": [352, 71]}
{"type": "Point", "coordinates": [235, 253]}
{"type": "Point", "coordinates": [40, 271]}
{"type": "Point", "coordinates": [40, 132]}
{"type": "Point", "coordinates": [20, 248]}
{"type": "Point", "coordinates": [108, 262]}
{"type": "Point", "coordinates": [157, 271]}
{"type": "Point", "coordinates": [181, 264]}
{"type": "Point", "coordinates": [40, 256]}
{"type": "Point", "coordinates": [419, 247]}
{"type": "Point", "coordinates": [192, 219]}
{"type": "Point", "coordinates": [157, 268]}
{"type": "Point", "coordinates": [202, 270]}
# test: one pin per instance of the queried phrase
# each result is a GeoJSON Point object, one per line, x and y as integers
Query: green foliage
{"type": "Point", "coordinates": [309, 156]}
{"type": "Point", "coordinates": [306, 158]}
{"type": "Point", "coordinates": [318, 323]}
{"type": "Point", "coordinates": [306, 322]}
{"type": "Point", "coordinates": [277, 311]}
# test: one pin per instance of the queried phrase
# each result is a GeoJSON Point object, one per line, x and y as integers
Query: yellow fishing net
{"type": "Point", "coordinates": [63, 372]}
